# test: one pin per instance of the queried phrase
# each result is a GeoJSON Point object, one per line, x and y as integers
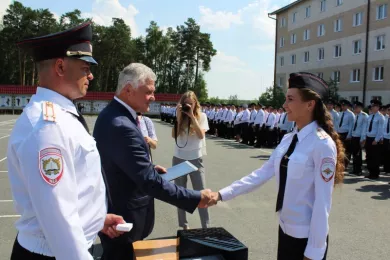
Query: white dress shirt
{"type": "Point", "coordinates": [270, 121]}
{"type": "Point", "coordinates": [245, 116]}
{"type": "Point", "coordinates": [56, 180]}
{"type": "Point", "coordinates": [309, 186]}
{"type": "Point", "coordinates": [259, 120]}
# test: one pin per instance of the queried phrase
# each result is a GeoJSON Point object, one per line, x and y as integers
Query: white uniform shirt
{"type": "Point", "coordinates": [237, 118]}
{"type": "Point", "coordinates": [56, 180]}
{"type": "Point", "coordinates": [252, 116]}
{"type": "Point", "coordinates": [229, 117]}
{"type": "Point", "coordinates": [309, 186]}
{"type": "Point", "coordinates": [259, 120]}
{"type": "Point", "coordinates": [245, 116]}
{"type": "Point", "coordinates": [270, 121]}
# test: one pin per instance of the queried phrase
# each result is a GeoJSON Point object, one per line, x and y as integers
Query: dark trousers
{"type": "Point", "coordinates": [259, 136]}
{"type": "Point", "coordinates": [347, 147]}
{"type": "Point", "coordinates": [20, 253]}
{"type": "Point", "coordinates": [244, 132]}
{"type": "Point", "coordinates": [251, 134]}
{"type": "Point", "coordinates": [373, 157]}
{"type": "Point", "coordinates": [386, 155]}
{"type": "Point", "coordinates": [282, 134]}
{"type": "Point", "coordinates": [356, 150]}
{"type": "Point", "coordinates": [291, 248]}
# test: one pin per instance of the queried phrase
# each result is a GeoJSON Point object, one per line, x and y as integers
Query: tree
{"type": "Point", "coordinates": [273, 96]}
{"type": "Point", "coordinates": [333, 90]}
{"type": "Point", "coordinates": [233, 99]}
{"type": "Point", "coordinates": [180, 57]}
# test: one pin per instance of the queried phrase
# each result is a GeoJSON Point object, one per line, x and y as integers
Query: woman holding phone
{"type": "Point", "coordinates": [190, 145]}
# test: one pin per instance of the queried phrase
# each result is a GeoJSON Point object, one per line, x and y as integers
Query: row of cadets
{"type": "Point", "coordinates": [229, 133]}
{"type": "Point", "coordinates": [168, 113]}
{"type": "Point", "coordinates": [237, 123]}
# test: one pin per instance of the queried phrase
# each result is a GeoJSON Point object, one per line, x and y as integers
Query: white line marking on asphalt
{"type": "Point", "coordinates": [9, 216]}
{"type": "Point", "coordinates": [6, 200]}
{"type": "Point", "coordinates": [3, 159]}
{"type": "Point", "coordinates": [4, 136]}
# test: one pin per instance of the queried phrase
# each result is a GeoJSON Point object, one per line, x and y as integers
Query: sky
{"type": "Point", "coordinates": [240, 30]}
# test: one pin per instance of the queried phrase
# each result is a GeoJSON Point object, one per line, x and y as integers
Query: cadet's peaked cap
{"type": "Point", "coordinates": [345, 102]}
{"type": "Point", "coordinates": [359, 104]}
{"type": "Point", "coordinates": [309, 81]}
{"type": "Point", "coordinates": [73, 43]}
{"type": "Point", "coordinates": [375, 102]}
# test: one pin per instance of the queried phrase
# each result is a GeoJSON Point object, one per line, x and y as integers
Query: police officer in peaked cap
{"type": "Point", "coordinates": [53, 163]}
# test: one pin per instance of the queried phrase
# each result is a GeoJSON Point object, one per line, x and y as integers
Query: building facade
{"type": "Point", "coordinates": [344, 40]}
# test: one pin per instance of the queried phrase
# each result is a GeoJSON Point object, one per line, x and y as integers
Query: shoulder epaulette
{"type": "Point", "coordinates": [322, 134]}
{"type": "Point", "coordinates": [48, 111]}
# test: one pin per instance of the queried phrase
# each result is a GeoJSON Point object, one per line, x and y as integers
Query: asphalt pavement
{"type": "Point", "coordinates": [359, 220]}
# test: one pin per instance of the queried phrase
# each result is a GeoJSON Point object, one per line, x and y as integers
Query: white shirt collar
{"type": "Point", "coordinates": [45, 94]}
{"type": "Point", "coordinates": [132, 111]}
{"type": "Point", "coordinates": [306, 130]}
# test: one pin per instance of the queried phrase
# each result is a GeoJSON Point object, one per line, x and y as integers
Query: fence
{"type": "Point", "coordinates": [14, 98]}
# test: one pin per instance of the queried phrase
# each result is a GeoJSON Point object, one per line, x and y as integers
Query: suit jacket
{"type": "Point", "coordinates": [131, 179]}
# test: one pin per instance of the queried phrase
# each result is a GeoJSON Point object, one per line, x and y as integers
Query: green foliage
{"type": "Point", "coordinates": [333, 89]}
{"type": "Point", "coordinates": [179, 57]}
{"type": "Point", "coordinates": [273, 96]}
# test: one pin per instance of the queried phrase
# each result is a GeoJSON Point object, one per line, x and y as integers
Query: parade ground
{"type": "Point", "coordinates": [359, 220]}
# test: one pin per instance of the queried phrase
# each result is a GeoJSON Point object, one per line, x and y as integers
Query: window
{"type": "Point", "coordinates": [339, 2]}
{"type": "Point", "coordinates": [376, 98]}
{"type": "Point", "coordinates": [336, 76]}
{"type": "Point", "coordinates": [321, 53]}
{"type": "Point", "coordinates": [378, 73]}
{"type": "Point", "coordinates": [308, 10]}
{"type": "Point", "coordinates": [306, 35]}
{"type": "Point", "coordinates": [293, 38]}
{"type": "Point", "coordinates": [321, 30]}
{"type": "Point", "coordinates": [320, 75]}
{"type": "Point", "coordinates": [357, 19]}
{"type": "Point", "coordinates": [293, 59]}
{"type": "Point", "coordinates": [338, 25]}
{"type": "Point", "coordinates": [357, 47]}
{"type": "Point", "coordinates": [354, 98]}
{"type": "Point", "coordinates": [281, 42]}
{"type": "Point", "coordinates": [355, 75]}
{"type": "Point", "coordinates": [280, 82]}
{"type": "Point", "coordinates": [337, 51]}
{"type": "Point", "coordinates": [294, 17]}
{"type": "Point", "coordinates": [323, 5]}
{"type": "Point", "coordinates": [281, 61]}
{"type": "Point", "coordinates": [381, 12]}
{"type": "Point", "coordinates": [380, 42]}
{"type": "Point", "coordinates": [283, 22]}
{"type": "Point", "coordinates": [306, 57]}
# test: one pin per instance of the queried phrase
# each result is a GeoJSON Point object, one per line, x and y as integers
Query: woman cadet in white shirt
{"type": "Point", "coordinates": [307, 164]}
{"type": "Point", "coordinates": [190, 145]}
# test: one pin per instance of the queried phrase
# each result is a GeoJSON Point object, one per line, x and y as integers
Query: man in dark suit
{"type": "Point", "coordinates": [132, 180]}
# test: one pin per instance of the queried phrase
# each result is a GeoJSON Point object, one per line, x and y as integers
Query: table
{"type": "Point", "coordinates": [162, 249]}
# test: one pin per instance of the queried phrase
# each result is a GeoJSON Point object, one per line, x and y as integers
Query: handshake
{"type": "Point", "coordinates": [208, 198]}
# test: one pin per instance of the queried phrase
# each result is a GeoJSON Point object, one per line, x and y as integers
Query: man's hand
{"type": "Point", "coordinates": [374, 143]}
{"type": "Point", "coordinates": [110, 224]}
{"type": "Point", "coordinates": [215, 197]}
{"type": "Point", "coordinates": [147, 139]}
{"type": "Point", "coordinates": [160, 169]}
{"type": "Point", "coordinates": [205, 198]}
{"type": "Point", "coordinates": [363, 143]}
{"type": "Point", "coordinates": [305, 258]}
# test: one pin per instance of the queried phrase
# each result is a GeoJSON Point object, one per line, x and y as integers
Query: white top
{"type": "Point", "coordinates": [56, 181]}
{"type": "Point", "coordinates": [147, 127]}
{"type": "Point", "coordinates": [309, 186]}
{"type": "Point", "coordinates": [195, 147]}
{"type": "Point", "coordinates": [259, 120]}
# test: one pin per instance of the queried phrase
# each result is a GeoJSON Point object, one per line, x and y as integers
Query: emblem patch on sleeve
{"type": "Point", "coordinates": [328, 169]}
{"type": "Point", "coordinates": [51, 165]}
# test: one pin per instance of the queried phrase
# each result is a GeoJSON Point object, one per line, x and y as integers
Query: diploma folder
{"type": "Point", "coordinates": [179, 170]}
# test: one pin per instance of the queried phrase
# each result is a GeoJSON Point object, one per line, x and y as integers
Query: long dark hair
{"type": "Point", "coordinates": [324, 120]}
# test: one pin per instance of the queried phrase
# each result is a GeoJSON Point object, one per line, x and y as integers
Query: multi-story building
{"type": "Point", "coordinates": [343, 40]}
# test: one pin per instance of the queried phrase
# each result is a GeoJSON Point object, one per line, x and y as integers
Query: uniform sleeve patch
{"type": "Point", "coordinates": [328, 168]}
{"type": "Point", "coordinates": [51, 165]}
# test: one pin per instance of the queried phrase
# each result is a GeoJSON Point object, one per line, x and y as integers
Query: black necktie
{"type": "Point", "coordinates": [388, 125]}
{"type": "Point", "coordinates": [342, 119]}
{"type": "Point", "coordinates": [267, 117]}
{"type": "Point", "coordinates": [82, 121]}
{"type": "Point", "coordinates": [357, 118]}
{"type": "Point", "coordinates": [284, 119]}
{"type": "Point", "coordinates": [371, 122]}
{"type": "Point", "coordinates": [283, 173]}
